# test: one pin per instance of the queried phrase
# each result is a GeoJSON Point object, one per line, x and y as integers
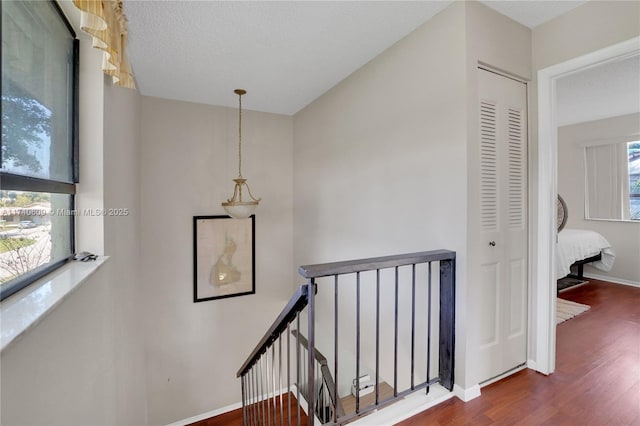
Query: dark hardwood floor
{"type": "Point", "coordinates": [597, 377]}
{"type": "Point", "coordinates": [596, 382]}
{"type": "Point", "coordinates": [234, 418]}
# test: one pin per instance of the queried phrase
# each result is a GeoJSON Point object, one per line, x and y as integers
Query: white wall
{"type": "Point", "coordinates": [496, 40]}
{"type": "Point", "coordinates": [83, 364]}
{"type": "Point", "coordinates": [90, 189]}
{"type": "Point", "coordinates": [122, 242]}
{"type": "Point", "coordinates": [62, 372]}
{"type": "Point", "coordinates": [589, 27]}
{"type": "Point", "coordinates": [188, 161]}
{"type": "Point", "coordinates": [623, 236]}
{"type": "Point", "coordinates": [380, 160]}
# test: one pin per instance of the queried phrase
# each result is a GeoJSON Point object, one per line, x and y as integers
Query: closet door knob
{"type": "Point", "coordinates": [492, 243]}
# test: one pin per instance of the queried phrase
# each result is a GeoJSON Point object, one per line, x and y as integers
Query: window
{"type": "Point", "coordinates": [613, 181]}
{"type": "Point", "coordinates": [39, 142]}
{"type": "Point", "coordinates": [633, 156]}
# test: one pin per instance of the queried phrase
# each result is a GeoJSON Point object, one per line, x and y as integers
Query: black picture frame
{"type": "Point", "coordinates": [223, 257]}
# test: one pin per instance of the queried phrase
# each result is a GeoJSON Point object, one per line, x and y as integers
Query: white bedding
{"type": "Point", "coordinates": [579, 244]}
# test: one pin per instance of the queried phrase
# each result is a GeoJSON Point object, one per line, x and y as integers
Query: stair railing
{"type": "Point", "coordinates": [326, 400]}
{"type": "Point", "coordinates": [265, 398]}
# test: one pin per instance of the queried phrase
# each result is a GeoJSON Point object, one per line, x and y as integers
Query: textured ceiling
{"type": "Point", "coordinates": [604, 91]}
{"type": "Point", "coordinates": [284, 53]}
{"type": "Point", "coordinates": [533, 13]}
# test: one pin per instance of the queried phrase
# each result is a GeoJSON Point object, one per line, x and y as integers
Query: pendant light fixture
{"type": "Point", "coordinates": [236, 207]}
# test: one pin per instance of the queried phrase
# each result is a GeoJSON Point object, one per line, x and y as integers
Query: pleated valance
{"type": "Point", "coordinates": [105, 21]}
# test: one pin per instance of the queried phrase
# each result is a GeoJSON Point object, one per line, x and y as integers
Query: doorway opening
{"type": "Point", "coordinates": [543, 294]}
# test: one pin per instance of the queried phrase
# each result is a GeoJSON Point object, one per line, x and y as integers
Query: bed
{"type": "Point", "coordinates": [579, 247]}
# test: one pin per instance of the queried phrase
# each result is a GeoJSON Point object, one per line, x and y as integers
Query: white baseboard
{"type": "Point", "coordinates": [503, 375]}
{"type": "Point", "coordinates": [394, 413]}
{"type": "Point", "coordinates": [207, 415]}
{"type": "Point", "coordinates": [235, 406]}
{"type": "Point", "coordinates": [406, 407]}
{"type": "Point", "coordinates": [532, 365]}
{"type": "Point", "coordinates": [467, 394]}
{"type": "Point", "coordinates": [613, 279]}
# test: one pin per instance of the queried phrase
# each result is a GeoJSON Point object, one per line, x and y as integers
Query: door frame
{"type": "Point", "coordinates": [542, 255]}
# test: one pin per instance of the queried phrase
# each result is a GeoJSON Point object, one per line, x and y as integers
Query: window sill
{"type": "Point", "coordinates": [25, 309]}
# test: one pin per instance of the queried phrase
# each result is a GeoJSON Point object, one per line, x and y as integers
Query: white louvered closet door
{"type": "Point", "coordinates": [501, 249]}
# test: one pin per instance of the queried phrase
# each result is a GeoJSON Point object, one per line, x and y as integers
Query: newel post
{"type": "Point", "coordinates": [447, 321]}
{"type": "Point", "coordinates": [311, 351]}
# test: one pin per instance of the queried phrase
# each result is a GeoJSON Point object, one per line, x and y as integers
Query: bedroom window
{"type": "Point", "coordinates": [39, 142]}
{"type": "Point", "coordinates": [613, 181]}
{"type": "Point", "coordinates": [633, 156]}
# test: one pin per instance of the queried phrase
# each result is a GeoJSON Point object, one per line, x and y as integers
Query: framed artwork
{"type": "Point", "coordinates": [223, 257]}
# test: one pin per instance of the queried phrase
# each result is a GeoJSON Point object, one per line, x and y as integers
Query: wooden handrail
{"type": "Point", "coordinates": [288, 314]}
{"type": "Point", "coordinates": [326, 372]}
{"type": "Point", "coordinates": [322, 360]}
{"type": "Point", "coordinates": [373, 263]}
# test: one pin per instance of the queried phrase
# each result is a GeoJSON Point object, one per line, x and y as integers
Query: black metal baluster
{"type": "Point", "coordinates": [273, 382]}
{"type": "Point", "coordinates": [335, 347]}
{"type": "Point", "coordinates": [311, 350]}
{"type": "Point", "coordinates": [255, 396]}
{"type": "Point", "coordinates": [250, 407]}
{"type": "Point", "coordinates": [395, 340]}
{"type": "Point", "coordinates": [267, 418]}
{"type": "Point", "coordinates": [305, 371]}
{"type": "Point", "coordinates": [261, 392]}
{"type": "Point", "coordinates": [249, 391]}
{"type": "Point", "coordinates": [245, 399]}
{"type": "Point", "coordinates": [357, 342]}
{"type": "Point", "coordinates": [377, 336]}
{"type": "Point", "coordinates": [257, 392]}
{"type": "Point", "coordinates": [318, 379]}
{"type": "Point", "coordinates": [413, 323]}
{"type": "Point", "coordinates": [280, 378]}
{"type": "Point", "coordinates": [429, 326]}
{"type": "Point", "coordinates": [302, 370]}
{"type": "Point", "coordinates": [298, 366]}
{"type": "Point", "coordinates": [289, 374]}
{"type": "Point", "coordinates": [254, 390]}
{"type": "Point", "coordinates": [244, 405]}
{"type": "Point", "coordinates": [266, 358]}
